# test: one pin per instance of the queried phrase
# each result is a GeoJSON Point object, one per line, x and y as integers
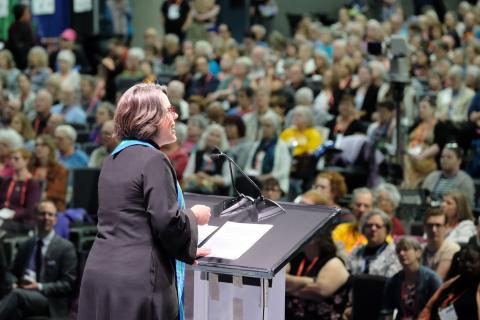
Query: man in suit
{"type": "Point", "coordinates": [43, 272]}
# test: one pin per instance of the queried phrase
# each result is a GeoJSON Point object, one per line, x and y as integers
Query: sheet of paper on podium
{"type": "Point", "coordinates": [234, 239]}
{"type": "Point", "coordinates": [204, 231]}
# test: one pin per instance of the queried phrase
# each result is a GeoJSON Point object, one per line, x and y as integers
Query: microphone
{"type": "Point", "coordinates": [264, 208]}
{"type": "Point", "coordinates": [218, 154]}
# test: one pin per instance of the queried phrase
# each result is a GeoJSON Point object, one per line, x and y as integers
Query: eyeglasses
{"type": "Point", "coordinates": [106, 134]}
{"type": "Point", "coordinates": [452, 145]}
{"type": "Point", "coordinates": [376, 225]}
{"type": "Point", "coordinates": [46, 213]}
{"type": "Point", "coordinates": [15, 158]}
{"type": "Point", "coordinates": [434, 225]}
{"type": "Point", "coordinates": [171, 109]}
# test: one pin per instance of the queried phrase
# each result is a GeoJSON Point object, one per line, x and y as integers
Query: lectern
{"type": "Point", "coordinates": [252, 286]}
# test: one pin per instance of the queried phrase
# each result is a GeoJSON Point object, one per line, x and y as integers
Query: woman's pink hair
{"type": "Point", "coordinates": [139, 111]}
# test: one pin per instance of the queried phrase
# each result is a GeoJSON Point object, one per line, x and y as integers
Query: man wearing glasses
{"type": "Point", "coordinates": [437, 253]}
{"type": "Point", "coordinates": [43, 272]}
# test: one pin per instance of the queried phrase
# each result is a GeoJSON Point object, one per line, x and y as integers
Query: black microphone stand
{"type": "Point", "coordinates": [266, 208]}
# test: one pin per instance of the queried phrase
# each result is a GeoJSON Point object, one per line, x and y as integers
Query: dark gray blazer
{"type": "Point", "coordinates": [58, 274]}
{"type": "Point", "coordinates": [130, 271]}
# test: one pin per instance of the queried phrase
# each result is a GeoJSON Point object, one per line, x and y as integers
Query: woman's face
{"type": "Point", "coordinates": [375, 230]}
{"type": "Point", "coordinates": [41, 149]}
{"type": "Point", "coordinates": [101, 116]}
{"type": "Point", "coordinates": [449, 161]}
{"type": "Point", "coordinates": [426, 110]}
{"type": "Point", "coordinates": [268, 129]}
{"type": "Point", "coordinates": [166, 127]}
{"type": "Point", "coordinates": [323, 184]}
{"type": "Point", "coordinates": [18, 161]}
{"type": "Point", "coordinates": [470, 262]}
{"type": "Point", "coordinates": [364, 75]}
{"type": "Point", "coordinates": [16, 124]}
{"type": "Point", "coordinates": [214, 138]}
{"type": "Point", "coordinates": [232, 131]}
{"type": "Point", "coordinates": [193, 131]}
{"type": "Point", "coordinates": [327, 79]}
{"type": "Point", "coordinates": [449, 206]}
{"type": "Point", "coordinates": [299, 120]}
{"type": "Point", "coordinates": [24, 83]}
{"type": "Point", "coordinates": [33, 60]}
{"type": "Point", "coordinates": [408, 256]}
{"type": "Point", "coordinates": [384, 203]}
{"type": "Point", "coordinates": [64, 66]}
{"type": "Point", "coordinates": [345, 109]}
{"type": "Point", "coordinates": [3, 62]}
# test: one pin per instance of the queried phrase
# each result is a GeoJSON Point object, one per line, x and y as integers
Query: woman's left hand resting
{"type": "Point", "coordinates": [202, 213]}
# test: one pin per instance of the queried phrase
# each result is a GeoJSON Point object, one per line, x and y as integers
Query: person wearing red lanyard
{"type": "Point", "coordinates": [316, 282]}
{"type": "Point", "coordinates": [409, 290]}
{"type": "Point", "coordinates": [458, 298]}
{"type": "Point", "coordinates": [19, 195]}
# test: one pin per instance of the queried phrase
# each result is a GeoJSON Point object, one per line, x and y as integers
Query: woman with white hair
{"type": "Point", "coordinates": [65, 137]}
{"type": "Point", "coordinates": [203, 173]}
{"type": "Point", "coordinates": [302, 136]}
{"type": "Point", "coordinates": [38, 70]}
{"type": "Point", "coordinates": [387, 199]}
{"type": "Point", "coordinates": [269, 157]}
{"type": "Point", "coordinates": [66, 71]}
{"type": "Point", "coordinates": [9, 70]}
{"type": "Point", "coordinates": [9, 140]}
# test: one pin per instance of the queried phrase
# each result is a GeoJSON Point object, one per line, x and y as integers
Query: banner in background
{"type": "Point", "coordinates": [82, 6]}
{"type": "Point", "coordinates": [40, 7]}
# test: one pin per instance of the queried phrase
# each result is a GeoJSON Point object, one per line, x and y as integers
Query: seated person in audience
{"type": "Point", "coordinates": [382, 132]}
{"type": "Point", "coordinates": [45, 167]}
{"type": "Point", "coordinates": [70, 157]}
{"type": "Point", "coordinates": [109, 143]}
{"type": "Point", "coordinates": [347, 235]}
{"type": "Point", "coordinates": [177, 155]}
{"type": "Point", "coordinates": [458, 298]}
{"type": "Point", "coordinates": [204, 82]}
{"type": "Point", "coordinates": [437, 253]}
{"type": "Point", "coordinates": [196, 125]}
{"type": "Point", "coordinates": [22, 125]}
{"type": "Point", "coordinates": [409, 290]}
{"type": "Point", "coordinates": [269, 157]}
{"type": "Point", "coordinates": [346, 123]}
{"type": "Point", "coordinates": [53, 122]}
{"type": "Point", "coordinates": [316, 282]}
{"type": "Point", "coordinates": [302, 137]}
{"type": "Point", "coordinates": [42, 105]}
{"type": "Point", "coordinates": [239, 145]}
{"type": "Point", "coordinates": [9, 140]}
{"type": "Point", "coordinates": [423, 145]}
{"type": "Point", "coordinates": [19, 195]}
{"type": "Point", "coordinates": [450, 177]}
{"type": "Point", "coordinates": [313, 197]}
{"type": "Point", "coordinates": [460, 226]}
{"type": "Point", "coordinates": [69, 107]}
{"type": "Point", "coordinates": [377, 257]}
{"type": "Point", "coordinates": [204, 174]}
{"type": "Point", "coordinates": [333, 185]}
{"type": "Point", "coordinates": [271, 190]}
{"type": "Point", "coordinates": [43, 272]}
{"type": "Point", "coordinates": [387, 199]}
{"type": "Point", "coordinates": [103, 113]}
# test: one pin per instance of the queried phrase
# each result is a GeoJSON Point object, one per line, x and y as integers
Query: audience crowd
{"type": "Point", "coordinates": [312, 118]}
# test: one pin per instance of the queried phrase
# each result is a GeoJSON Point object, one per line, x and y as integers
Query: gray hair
{"type": "Point", "coordinates": [358, 191]}
{"type": "Point", "coordinates": [67, 130]}
{"type": "Point", "coordinates": [304, 96]}
{"type": "Point", "coordinates": [245, 61]}
{"type": "Point", "coordinates": [456, 71]}
{"type": "Point", "coordinates": [473, 70]}
{"type": "Point", "coordinates": [306, 113]}
{"type": "Point", "coordinates": [272, 118]}
{"type": "Point", "coordinates": [376, 212]}
{"type": "Point", "coordinates": [67, 56]}
{"type": "Point", "coordinates": [172, 38]}
{"type": "Point", "coordinates": [391, 190]}
{"type": "Point", "coordinates": [202, 143]}
{"type": "Point", "coordinates": [41, 53]}
{"type": "Point", "coordinates": [198, 120]}
{"type": "Point", "coordinates": [176, 86]}
{"type": "Point", "coordinates": [136, 52]}
{"type": "Point", "coordinates": [11, 138]}
{"type": "Point", "coordinates": [205, 46]}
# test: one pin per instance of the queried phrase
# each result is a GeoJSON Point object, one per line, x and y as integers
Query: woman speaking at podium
{"type": "Point", "coordinates": [135, 269]}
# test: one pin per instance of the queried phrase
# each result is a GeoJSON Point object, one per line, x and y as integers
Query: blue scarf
{"type": "Point", "coordinates": [179, 266]}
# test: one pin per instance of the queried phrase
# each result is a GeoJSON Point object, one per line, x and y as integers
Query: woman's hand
{"type": "Point", "coordinates": [202, 213]}
{"type": "Point", "coordinates": [202, 252]}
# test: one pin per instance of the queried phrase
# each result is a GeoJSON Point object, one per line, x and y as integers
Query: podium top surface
{"type": "Point", "coordinates": [270, 254]}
